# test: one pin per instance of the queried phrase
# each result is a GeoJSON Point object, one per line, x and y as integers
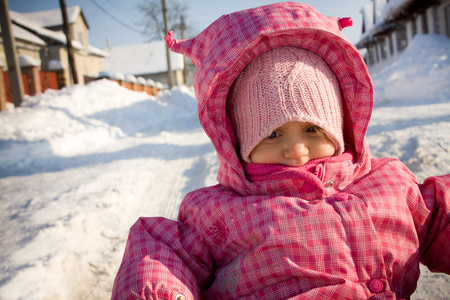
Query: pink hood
{"type": "Point", "coordinates": [223, 49]}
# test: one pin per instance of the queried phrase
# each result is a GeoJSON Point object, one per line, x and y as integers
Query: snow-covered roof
{"type": "Point", "coordinates": [55, 65]}
{"type": "Point", "coordinates": [20, 33]}
{"type": "Point", "coordinates": [96, 51]}
{"type": "Point", "coordinates": [21, 20]}
{"type": "Point", "coordinates": [28, 61]}
{"type": "Point", "coordinates": [35, 29]}
{"type": "Point", "coordinates": [394, 8]}
{"type": "Point", "coordinates": [50, 18]}
{"type": "Point", "coordinates": [148, 58]}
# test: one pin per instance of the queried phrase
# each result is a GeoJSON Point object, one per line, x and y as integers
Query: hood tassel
{"type": "Point", "coordinates": [169, 39]}
{"type": "Point", "coordinates": [345, 22]}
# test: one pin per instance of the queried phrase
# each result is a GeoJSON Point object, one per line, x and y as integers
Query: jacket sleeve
{"type": "Point", "coordinates": [157, 264]}
{"type": "Point", "coordinates": [434, 225]}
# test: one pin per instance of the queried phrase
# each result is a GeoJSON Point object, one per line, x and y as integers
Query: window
{"type": "Point", "coordinates": [437, 29]}
{"type": "Point", "coordinates": [402, 40]}
{"type": "Point", "coordinates": [391, 44]}
{"type": "Point", "coordinates": [80, 38]}
{"type": "Point", "coordinates": [384, 47]}
{"type": "Point", "coordinates": [371, 54]}
{"type": "Point", "coordinates": [447, 19]}
{"type": "Point", "coordinates": [424, 23]}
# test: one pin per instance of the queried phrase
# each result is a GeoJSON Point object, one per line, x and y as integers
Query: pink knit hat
{"type": "Point", "coordinates": [283, 85]}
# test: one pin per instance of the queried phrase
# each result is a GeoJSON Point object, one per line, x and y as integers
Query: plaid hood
{"type": "Point", "coordinates": [223, 49]}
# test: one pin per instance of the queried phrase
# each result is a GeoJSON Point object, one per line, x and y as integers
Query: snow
{"type": "Point", "coordinates": [394, 7]}
{"type": "Point", "coordinates": [368, 16]}
{"type": "Point", "coordinates": [22, 20]}
{"type": "Point", "coordinates": [78, 167]}
{"type": "Point", "coordinates": [55, 65]}
{"type": "Point", "coordinates": [25, 35]}
{"type": "Point", "coordinates": [53, 17]}
{"type": "Point", "coordinates": [28, 61]}
{"type": "Point", "coordinates": [378, 10]}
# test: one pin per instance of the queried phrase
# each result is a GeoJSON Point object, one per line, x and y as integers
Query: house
{"type": "Point", "coordinates": [148, 60]}
{"type": "Point", "coordinates": [389, 25]}
{"type": "Point", "coordinates": [39, 37]}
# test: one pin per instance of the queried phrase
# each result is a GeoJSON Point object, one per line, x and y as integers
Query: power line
{"type": "Point", "coordinates": [113, 17]}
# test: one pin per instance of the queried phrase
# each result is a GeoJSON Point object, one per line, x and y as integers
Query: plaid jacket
{"type": "Point", "coordinates": [346, 227]}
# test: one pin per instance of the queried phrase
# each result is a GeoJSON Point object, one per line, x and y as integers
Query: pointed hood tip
{"type": "Point", "coordinates": [170, 41]}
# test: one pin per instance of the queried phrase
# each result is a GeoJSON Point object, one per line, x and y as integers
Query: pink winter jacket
{"type": "Point", "coordinates": [346, 227]}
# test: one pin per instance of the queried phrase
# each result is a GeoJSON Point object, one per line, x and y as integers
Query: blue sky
{"type": "Point", "coordinates": [201, 13]}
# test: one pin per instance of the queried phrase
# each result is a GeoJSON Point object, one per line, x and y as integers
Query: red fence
{"type": "Point", "coordinates": [48, 80]}
{"type": "Point", "coordinates": [151, 90]}
{"type": "Point", "coordinates": [35, 82]}
{"type": "Point", "coordinates": [26, 87]}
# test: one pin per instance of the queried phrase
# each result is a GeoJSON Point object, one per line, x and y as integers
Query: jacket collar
{"type": "Point", "coordinates": [318, 178]}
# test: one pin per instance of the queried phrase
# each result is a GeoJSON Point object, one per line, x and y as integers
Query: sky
{"type": "Point", "coordinates": [121, 21]}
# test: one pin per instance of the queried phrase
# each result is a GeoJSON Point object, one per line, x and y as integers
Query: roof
{"type": "Point", "coordinates": [30, 29]}
{"type": "Point", "coordinates": [394, 8]}
{"type": "Point", "coordinates": [22, 34]}
{"type": "Point", "coordinates": [51, 18]}
{"type": "Point", "coordinates": [141, 59]}
{"type": "Point", "coordinates": [24, 22]}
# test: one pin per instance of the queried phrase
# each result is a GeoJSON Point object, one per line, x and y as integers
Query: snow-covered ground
{"type": "Point", "coordinates": [78, 166]}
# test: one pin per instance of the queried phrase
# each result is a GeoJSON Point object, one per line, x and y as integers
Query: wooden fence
{"type": "Point", "coordinates": [36, 82]}
{"type": "Point", "coordinates": [151, 90]}
{"type": "Point", "coordinates": [48, 80]}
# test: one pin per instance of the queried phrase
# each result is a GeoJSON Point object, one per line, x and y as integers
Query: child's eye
{"type": "Point", "coordinates": [313, 129]}
{"type": "Point", "coordinates": [273, 135]}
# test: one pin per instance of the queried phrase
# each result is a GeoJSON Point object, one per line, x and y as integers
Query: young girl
{"type": "Point", "coordinates": [300, 211]}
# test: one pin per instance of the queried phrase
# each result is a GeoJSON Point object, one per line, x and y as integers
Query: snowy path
{"type": "Point", "coordinates": [84, 210]}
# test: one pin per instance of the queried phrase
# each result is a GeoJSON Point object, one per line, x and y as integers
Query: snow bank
{"type": "Point", "coordinates": [411, 120]}
{"type": "Point", "coordinates": [414, 77]}
{"type": "Point", "coordinates": [77, 168]}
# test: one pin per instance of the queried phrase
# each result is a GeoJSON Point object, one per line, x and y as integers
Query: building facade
{"type": "Point", "coordinates": [389, 25]}
{"type": "Point", "coordinates": [39, 36]}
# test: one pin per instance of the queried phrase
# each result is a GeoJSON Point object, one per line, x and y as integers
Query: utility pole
{"type": "Point", "coordinates": [185, 70]}
{"type": "Point", "coordinates": [166, 29]}
{"type": "Point", "coordinates": [15, 75]}
{"type": "Point", "coordinates": [70, 52]}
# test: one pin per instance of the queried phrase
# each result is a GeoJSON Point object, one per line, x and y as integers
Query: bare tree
{"type": "Point", "coordinates": [153, 21]}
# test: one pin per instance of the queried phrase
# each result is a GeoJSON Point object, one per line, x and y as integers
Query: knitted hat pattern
{"type": "Point", "coordinates": [283, 85]}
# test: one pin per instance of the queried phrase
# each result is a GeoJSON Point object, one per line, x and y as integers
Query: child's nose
{"type": "Point", "coordinates": [296, 149]}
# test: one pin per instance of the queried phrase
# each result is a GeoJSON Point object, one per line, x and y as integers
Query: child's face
{"type": "Point", "coordinates": [293, 144]}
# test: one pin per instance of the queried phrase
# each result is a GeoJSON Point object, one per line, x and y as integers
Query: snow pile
{"type": "Point", "coordinates": [413, 77]}
{"type": "Point", "coordinates": [411, 120]}
{"type": "Point", "coordinates": [78, 166]}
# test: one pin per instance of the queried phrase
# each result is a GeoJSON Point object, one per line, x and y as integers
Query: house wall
{"type": "Point", "coordinates": [58, 52]}
{"type": "Point", "coordinates": [79, 32]}
{"type": "Point", "coordinates": [23, 48]}
{"type": "Point", "coordinates": [87, 65]}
